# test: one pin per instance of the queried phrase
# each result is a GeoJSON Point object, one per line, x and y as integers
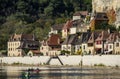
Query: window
{"type": "Point", "coordinates": [117, 44]}
{"type": "Point", "coordinates": [18, 50]}
{"type": "Point", "coordinates": [68, 47]}
{"type": "Point", "coordinates": [84, 47]}
{"type": "Point", "coordinates": [9, 49]}
{"type": "Point", "coordinates": [110, 46]}
{"type": "Point", "coordinates": [98, 42]}
{"type": "Point", "coordinates": [90, 44]}
{"type": "Point", "coordinates": [42, 48]}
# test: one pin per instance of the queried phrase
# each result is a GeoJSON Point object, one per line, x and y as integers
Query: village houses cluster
{"type": "Point", "coordinates": [71, 38]}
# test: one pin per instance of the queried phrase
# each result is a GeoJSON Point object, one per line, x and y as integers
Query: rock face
{"type": "Point", "coordinates": [105, 5]}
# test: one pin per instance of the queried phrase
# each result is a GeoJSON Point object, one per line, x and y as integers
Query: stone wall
{"type": "Point", "coordinates": [107, 60]}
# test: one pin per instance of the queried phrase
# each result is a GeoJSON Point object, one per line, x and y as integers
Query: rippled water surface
{"type": "Point", "coordinates": [11, 72]}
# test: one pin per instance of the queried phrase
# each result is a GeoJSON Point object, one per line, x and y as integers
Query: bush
{"type": "Point", "coordinates": [100, 65]}
{"type": "Point", "coordinates": [63, 52]}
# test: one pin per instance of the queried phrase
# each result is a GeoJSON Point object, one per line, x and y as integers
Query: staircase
{"type": "Point", "coordinates": [54, 57]}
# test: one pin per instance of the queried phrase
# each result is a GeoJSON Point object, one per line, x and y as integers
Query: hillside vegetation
{"type": "Point", "coordinates": [35, 16]}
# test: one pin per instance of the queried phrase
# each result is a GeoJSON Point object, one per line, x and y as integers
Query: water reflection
{"type": "Point", "coordinates": [58, 73]}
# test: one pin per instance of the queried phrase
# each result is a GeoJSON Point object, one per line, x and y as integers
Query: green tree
{"type": "Point", "coordinates": [49, 11]}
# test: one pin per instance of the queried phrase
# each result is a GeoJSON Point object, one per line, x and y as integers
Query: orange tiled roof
{"type": "Point", "coordinates": [68, 24]}
{"type": "Point", "coordinates": [54, 40]}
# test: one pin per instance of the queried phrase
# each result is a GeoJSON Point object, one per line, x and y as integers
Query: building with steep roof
{"type": "Point", "coordinates": [98, 20]}
{"type": "Point", "coordinates": [55, 29]}
{"type": "Point", "coordinates": [18, 42]}
{"type": "Point", "coordinates": [79, 26]}
{"type": "Point", "coordinates": [80, 14]}
{"type": "Point", "coordinates": [51, 46]}
{"type": "Point", "coordinates": [69, 43]}
{"type": "Point", "coordinates": [91, 41]}
{"type": "Point", "coordinates": [106, 5]}
{"type": "Point", "coordinates": [117, 44]}
{"type": "Point", "coordinates": [66, 28]}
{"type": "Point", "coordinates": [100, 41]}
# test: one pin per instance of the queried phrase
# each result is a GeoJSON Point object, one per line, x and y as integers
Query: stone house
{"type": "Point", "coordinates": [19, 44]}
{"type": "Point", "coordinates": [55, 29]}
{"type": "Point", "coordinates": [109, 44]}
{"type": "Point", "coordinates": [69, 43]}
{"type": "Point", "coordinates": [100, 42]}
{"type": "Point", "coordinates": [66, 28]}
{"type": "Point", "coordinates": [117, 44]}
{"type": "Point", "coordinates": [91, 42]}
{"type": "Point", "coordinates": [78, 27]}
{"type": "Point", "coordinates": [81, 42]}
{"type": "Point", "coordinates": [79, 15]}
{"type": "Point", "coordinates": [51, 46]}
{"type": "Point", "coordinates": [98, 19]}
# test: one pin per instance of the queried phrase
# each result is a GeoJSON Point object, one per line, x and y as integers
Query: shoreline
{"type": "Point", "coordinates": [62, 66]}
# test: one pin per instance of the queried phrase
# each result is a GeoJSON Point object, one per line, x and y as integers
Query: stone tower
{"type": "Point", "coordinates": [105, 5]}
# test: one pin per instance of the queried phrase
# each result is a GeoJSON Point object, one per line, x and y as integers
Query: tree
{"type": "Point", "coordinates": [21, 6]}
{"type": "Point", "coordinates": [49, 10]}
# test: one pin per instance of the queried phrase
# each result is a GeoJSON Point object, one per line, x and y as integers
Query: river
{"type": "Point", "coordinates": [59, 72]}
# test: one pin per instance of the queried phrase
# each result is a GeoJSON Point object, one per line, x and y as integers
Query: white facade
{"type": "Point", "coordinates": [44, 49]}
{"type": "Point", "coordinates": [64, 33]}
{"type": "Point", "coordinates": [76, 17]}
{"type": "Point", "coordinates": [117, 47]}
{"type": "Point", "coordinates": [53, 32]}
{"type": "Point", "coordinates": [13, 48]}
{"type": "Point", "coordinates": [91, 50]}
{"type": "Point", "coordinates": [110, 47]}
{"type": "Point", "coordinates": [54, 52]}
{"type": "Point", "coordinates": [84, 48]}
{"type": "Point", "coordinates": [77, 47]}
{"type": "Point", "coordinates": [73, 30]}
{"type": "Point", "coordinates": [67, 47]}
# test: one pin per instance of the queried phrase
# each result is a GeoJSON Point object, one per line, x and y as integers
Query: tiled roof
{"type": "Point", "coordinates": [77, 22]}
{"type": "Point", "coordinates": [86, 37]}
{"type": "Point", "coordinates": [70, 39]}
{"type": "Point", "coordinates": [101, 16]}
{"type": "Point", "coordinates": [112, 37]}
{"type": "Point", "coordinates": [103, 35]}
{"type": "Point", "coordinates": [94, 36]}
{"type": "Point", "coordinates": [54, 39]}
{"type": "Point", "coordinates": [83, 13]}
{"type": "Point", "coordinates": [27, 37]}
{"type": "Point", "coordinates": [22, 37]}
{"type": "Point", "coordinates": [68, 24]}
{"type": "Point", "coordinates": [16, 37]}
{"type": "Point", "coordinates": [29, 44]}
{"type": "Point", "coordinates": [58, 26]}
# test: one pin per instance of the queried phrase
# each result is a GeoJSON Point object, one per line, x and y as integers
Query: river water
{"type": "Point", "coordinates": [13, 72]}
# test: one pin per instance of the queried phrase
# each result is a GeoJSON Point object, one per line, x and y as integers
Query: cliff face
{"type": "Point", "coordinates": [105, 5]}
